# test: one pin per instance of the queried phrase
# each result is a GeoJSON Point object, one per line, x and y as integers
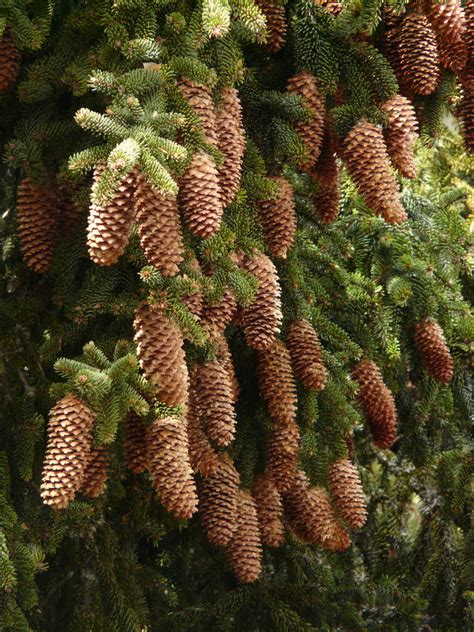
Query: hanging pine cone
{"type": "Point", "coordinates": [96, 472]}
{"type": "Point", "coordinates": [465, 112]}
{"type": "Point", "coordinates": [224, 357]}
{"type": "Point", "coordinates": [269, 511]}
{"type": "Point", "coordinates": [109, 226]}
{"type": "Point", "coordinates": [261, 320]}
{"type": "Point", "coordinates": [453, 56]}
{"type": "Point", "coordinates": [217, 316]}
{"type": "Point", "coordinates": [367, 161]}
{"type": "Point", "coordinates": [327, 174]}
{"type": "Point", "coordinates": [448, 20]}
{"type": "Point", "coordinates": [419, 58]}
{"type": "Point", "coordinates": [159, 228]}
{"type": "Point", "coordinates": [194, 299]}
{"type": "Point", "coordinates": [245, 547]}
{"type": "Point", "coordinates": [67, 452]}
{"type": "Point", "coordinates": [431, 345]}
{"type": "Point", "coordinates": [135, 446]}
{"type": "Point", "coordinates": [9, 61]}
{"type": "Point", "coordinates": [306, 355]}
{"type": "Point", "coordinates": [276, 382]}
{"type": "Point", "coordinates": [69, 210]}
{"type": "Point", "coordinates": [311, 132]}
{"type": "Point", "coordinates": [231, 137]}
{"type": "Point", "coordinates": [202, 456]}
{"type": "Point", "coordinates": [377, 402]}
{"type": "Point", "coordinates": [199, 98]}
{"type": "Point", "coordinates": [401, 133]}
{"type": "Point", "coordinates": [170, 469]}
{"type": "Point", "coordinates": [278, 218]}
{"type": "Point", "coordinates": [283, 455]}
{"type": "Point", "coordinates": [37, 224]}
{"type": "Point", "coordinates": [276, 24]}
{"type": "Point", "coordinates": [469, 31]}
{"type": "Point", "coordinates": [200, 196]}
{"type": "Point", "coordinates": [218, 497]}
{"type": "Point", "coordinates": [161, 353]}
{"type": "Point", "coordinates": [347, 493]}
{"type": "Point", "coordinates": [214, 397]}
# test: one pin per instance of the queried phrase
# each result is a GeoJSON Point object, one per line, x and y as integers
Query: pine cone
{"type": "Point", "coordinates": [327, 174]}
{"type": "Point", "coordinates": [135, 447]}
{"type": "Point", "coordinates": [202, 456]}
{"type": "Point", "coordinates": [230, 133]}
{"type": "Point", "coordinates": [194, 300]}
{"type": "Point", "coordinates": [465, 112]}
{"type": "Point", "coordinates": [109, 226]}
{"type": "Point", "coordinates": [469, 32]}
{"type": "Point", "coordinates": [419, 57]}
{"type": "Point", "coordinates": [224, 357]}
{"type": "Point", "coordinates": [377, 402]}
{"type": "Point", "coordinates": [431, 345]}
{"type": "Point", "coordinates": [347, 493]}
{"type": "Point", "coordinates": [269, 511]}
{"type": "Point", "coordinates": [245, 547]}
{"type": "Point", "coordinates": [306, 355]}
{"type": "Point", "coordinates": [96, 472]}
{"type": "Point", "coordinates": [200, 99]}
{"type": "Point", "coordinates": [276, 24]}
{"type": "Point", "coordinates": [448, 20]}
{"type": "Point", "coordinates": [218, 496]}
{"type": "Point", "coordinates": [10, 58]}
{"type": "Point", "coordinates": [200, 196]}
{"type": "Point", "coordinates": [69, 210]}
{"type": "Point", "coordinates": [170, 469]}
{"type": "Point", "coordinates": [216, 317]}
{"type": "Point", "coordinates": [215, 400]}
{"type": "Point", "coordinates": [367, 161]}
{"type": "Point", "coordinates": [159, 228]}
{"type": "Point", "coordinates": [401, 134]}
{"type": "Point", "coordinates": [278, 219]}
{"type": "Point", "coordinates": [276, 383]}
{"type": "Point", "coordinates": [453, 56]}
{"type": "Point", "coordinates": [283, 455]}
{"type": "Point", "coordinates": [67, 453]}
{"type": "Point", "coordinates": [161, 353]}
{"type": "Point", "coordinates": [261, 320]}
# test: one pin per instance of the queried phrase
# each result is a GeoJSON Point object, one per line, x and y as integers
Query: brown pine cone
{"type": "Point", "coordinates": [278, 218]}
{"type": "Point", "coordinates": [170, 469]}
{"type": "Point", "coordinates": [216, 317]}
{"type": "Point", "coordinates": [135, 446]}
{"type": "Point", "coordinates": [448, 20]}
{"type": "Point", "coordinates": [10, 58]}
{"type": "Point", "coordinates": [347, 493]}
{"type": "Point", "coordinates": [69, 210]}
{"type": "Point", "coordinates": [311, 132]}
{"type": "Point", "coordinates": [261, 321]}
{"type": "Point", "coordinates": [68, 450]}
{"type": "Point", "coordinates": [161, 353]}
{"type": "Point", "coordinates": [469, 32]}
{"type": "Point", "coordinates": [245, 547]}
{"type": "Point", "coordinates": [231, 137]}
{"type": "Point", "coordinates": [218, 497]}
{"type": "Point", "coordinates": [276, 24]}
{"type": "Point", "coordinates": [283, 455]}
{"type": "Point", "coordinates": [306, 355]}
{"type": "Point", "coordinates": [269, 511]}
{"type": "Point", "coordinates": [377, 402]}
{"type": "Point", "coordinates": [276, 383]}
{"type": "Point", "coordinates": [419, 57]}
{"type": "Point", "coordinates": [194, 300]}
{"type": "Point", "coordinates": [431, 345]}
{"type": "Point", "coordinates": [401, 134]}
{"type": "Point", "coordinates": [326, 173]}
{"type": "Point", "coordinates": [200, 196]}
{"type": "Point", "coordinates": [159, 228]}
{"type": "Point", "coordinates": [200, 99]}
{"type": "Point", "coordinates": [109, 227]}
{"type": "Point", "coordinates": [224, 357]}
{"type": "Point", "coordinates": [37, 224]}
{"type": "Point", "coordinates": [202, 456]}
{"type": "Point", "coordinates": [96, 472]}
{"type": "Point", "coordinates": [465, 112]}
{"type": "Point", "coordinates": [453, 56]}
{"type": "Point", "coordinates": [367, 161]}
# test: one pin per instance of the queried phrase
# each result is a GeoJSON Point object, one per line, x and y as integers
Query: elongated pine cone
{"type": "Point", "coordinates": [109, 226]}
{"type": "Point", "coordinates": [269, 511]}
{"type": "Point", "coordinates": [199, 98]}
{"type": "Point", "coordinates": [306, 355]}
{"type": "Point", "coordinates": [200, 196]}
{"type": "Point", "coordinates": [261, 321]}
{"type": "Point", "coordinates": [276, 382]}
{"type": "Point", "coordinates": [377, 402]}
{"type": "Point", "coordinates": [215, 399]}
{"type": "Point", "coordinates": [159, 228]}
{"type": "Point", "coordinates": [326, 172]}
{"type": "Point", "coordinates": [283, 455]}
{"type": "Point", "coordinates": [217, 316]}
{"type": "Point", "coordinates": [161, 353]}
{"type": "Point", "coordinates": [453, 56]}
{"type": "Point", "coordinates": [67, 453]}
{"type": "Point", "coordinates": [245, 547]}
{"type": "Point", "coordinates": [9, 61]}
{"type": "Point", "coordinates": [431, 345]}
{"type": "Point", "coordinates": [96, 472]}
{"type": "Point", "coordinates": [367, 161]}
{"type": "Point", "coordinates": [37, 224]}
{"type": "Point", "coordinates": [202, 456]}
{"type": "Point", "coordinates": [465, 112]}
{"type": "Point", "coordinates": [170, 469]}
{"type": "Point", "coordinates": [231, 138]}
{"type": "Point", "coordinates": [419, 57]}
{"type": "Point", "coordinates": [218, 497]}
{"type": "Point", "coordinates": [135, 445]}
{"type": "Point", "coordinates": [276, 24]}
{"type": "Point", "coordinates": [224, 357]}
{"type": "Point", "coordinates": [448, 20]}
{"type": "Point", "coordinates": [278, 218]}
{"type": "Point", "coordinates": [194, 299]}
{"type": "Point", "coordinates": [347, 493]}
{"type": "Point", "coordinates": [401, 133]}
